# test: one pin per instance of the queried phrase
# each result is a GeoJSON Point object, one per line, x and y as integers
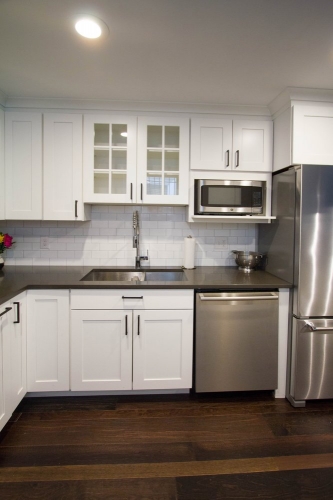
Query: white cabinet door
{"type": "Point", "coordinates": [18, 356]}
{"type": "Point", "coordinates": [12, 356]}
{"type": "Point", "coordinates": [312, 134]}
{"type": "Point", "coordinates": [6, 324]}
{"type": "Point", "coordinates": [48, 340]}
{"type": "Point", "coordinates": [23, 165]}
{"type": "Point", "coordinates": [2, 164]}
{"type": "Point", "coordinates": [162, 349]}
{"type": "Point", "coordinates": [109, 159]}
{"type": "Point", "coordinates": [62, 141]}
{"type": "Point", "coordinates": [253, 145]}
{"type": "Point", "coordinates": [211, 144]}
{"type": "Point", "coordinates": [101, 350]}
{"type": "Point", "coordinates": [163, 160]}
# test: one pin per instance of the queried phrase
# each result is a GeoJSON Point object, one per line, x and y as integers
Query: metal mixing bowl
{"type": "Point", "coordinates": [247, 261]}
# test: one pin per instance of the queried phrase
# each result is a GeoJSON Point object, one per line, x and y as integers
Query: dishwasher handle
{"type": "Point", "coordinates": [204, 296]}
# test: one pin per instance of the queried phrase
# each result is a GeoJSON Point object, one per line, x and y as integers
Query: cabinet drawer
{"type": "Point", "coordinates": [132, 299]}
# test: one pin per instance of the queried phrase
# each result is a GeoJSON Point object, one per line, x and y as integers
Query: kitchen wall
{"type": "Point", "coordinates": [106, 240]}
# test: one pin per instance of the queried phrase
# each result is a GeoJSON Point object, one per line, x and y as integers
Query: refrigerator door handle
{"type": "Point", "coordinates": [320, 329]}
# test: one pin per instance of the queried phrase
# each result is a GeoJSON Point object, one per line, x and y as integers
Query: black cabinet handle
{"type": "Point", "coordinates": [141, 190]}
{"type": "Point", "coordinates": [18, 320]}
{"type": "Point", "coordinates": [124, 297]}
{"type": "Point", "coordinates": [237, 158]}
{"type": "Point", "coordinates": [131, 190]}
{"type": "Point", "coordinates": [227, 155]}
{"type": "Point", "coordinates": [126, 329]}
{"type": "Point", "coordinates": [6, 311]}
{"type": "Point", "coordinates": [76, 208]}
{"type": "Point", "coordinates": [138, 324]}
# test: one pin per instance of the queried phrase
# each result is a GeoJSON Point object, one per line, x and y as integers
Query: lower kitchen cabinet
{"type": "Point", "coordinates": [124, 349]}
{"type": "Point", "coordinates": [12, 356]}
{"type": "Point", "coordinates": [101, 350]}
{"type": "Point", "coordinates": [162, 349]}
{"type": "Point", "coordinates": [48, 340]}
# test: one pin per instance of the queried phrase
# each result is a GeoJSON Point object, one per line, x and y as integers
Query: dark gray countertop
{"type": "Point", "coordinates": [16, 279]}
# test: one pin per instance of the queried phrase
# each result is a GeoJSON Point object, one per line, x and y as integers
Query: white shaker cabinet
{"type": "Point", "coordinates": [23, 165]}
{"type": "Point", "coordinates": [211, 144]}
{"type": "Point", "coordinates": [48, 340]}
{"type": "Point", "coordinates": [253, 145]}
{"type": "Point", "coordinates": [163, 160]}
{"type": "Point", "coordinates": [12, 356]}
{"type": "Point", "coordinates": [2, 164]}
{"type": "Point", "coordinates": [101, 350]}
{"type": "Point", "coordinates": [6, 328]}
{"type": "Point", "coordinates": [62, 167]}
{"type": "Point", "coordinates": [109, 159]}
{"type": "Point", "coordinates": [131, 328]}
{"type": "Point", "coordinates": [312, 134]}
{"type": "Point", "coordinates": [303, 134]}
{"type": "Point", "coordinates": [231, 145]}
{"type": "Point", "coordinates": [18, 355]}
{"type": "Point", "coordinates": [162, 349]}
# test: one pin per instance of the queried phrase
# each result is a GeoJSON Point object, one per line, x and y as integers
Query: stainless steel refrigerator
{"type": "Point", "coordinates": [299, 245]}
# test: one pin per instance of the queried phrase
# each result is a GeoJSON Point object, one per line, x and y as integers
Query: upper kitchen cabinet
{"type": "Point", "coordinates": [303, 133]}
{"type": "Point", "coordinates": [163, 160]}
{"type": "Point", "coordinates": [211, 144]}
{"type": "Point", "coordinates": [225, 144]}
{"type": "Point", "coordinates": [312, 134]}
{"type": "Point", "coordinates": [62, 147]}
{"type": "Point", "coordinates": [2, 164]}
{"type": "Point", "coordinates": [109, 159]}
{"type": "Point", "coordinates": [23, 165]}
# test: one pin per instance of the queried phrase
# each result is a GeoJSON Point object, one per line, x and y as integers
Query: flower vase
{"type": "Point", "coordinates": [2, 262]}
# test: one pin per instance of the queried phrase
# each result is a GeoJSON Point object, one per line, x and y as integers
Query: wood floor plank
{"type": "Point", "coordinates": [301, 423]}
{"type": "Point", "coordinates": [289, 485]}
{"type": "Point", "coordinates": [263, 447]}
{"type": "Point", "coordinates": [14, 456]}
{"type": "Point", "coordinates": [148, 430]}
{"type": "Point", "coordinates": [133, 489]}
{"type": "Point", "coordinates": [163, 470]}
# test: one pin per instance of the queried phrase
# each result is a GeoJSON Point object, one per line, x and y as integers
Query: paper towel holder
{"type": "Point", "coordinates": [188, 268]}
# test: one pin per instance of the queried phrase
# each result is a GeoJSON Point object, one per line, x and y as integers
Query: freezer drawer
{"type": "Point", "coordinates": [236, 345]}
{"type": "Point", "coordinates": [311, 363]}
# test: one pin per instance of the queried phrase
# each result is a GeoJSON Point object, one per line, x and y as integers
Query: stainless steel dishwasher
{"type": "Point", "coordinates": [236, 341]}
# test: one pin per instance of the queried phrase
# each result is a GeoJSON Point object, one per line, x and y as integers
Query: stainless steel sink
{"type": "Point", "coordinates": [135, 276]}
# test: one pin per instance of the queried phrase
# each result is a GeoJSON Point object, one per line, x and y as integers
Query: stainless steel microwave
{"type": "Point", "coordinates": [215, 197]}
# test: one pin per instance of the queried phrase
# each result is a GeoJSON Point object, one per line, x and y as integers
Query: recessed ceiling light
{"type": "Point", "coordinates": [91, 27]}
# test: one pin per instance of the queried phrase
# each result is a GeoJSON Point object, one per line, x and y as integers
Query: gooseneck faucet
{"type": "Point", "coordinates": [136, 240]}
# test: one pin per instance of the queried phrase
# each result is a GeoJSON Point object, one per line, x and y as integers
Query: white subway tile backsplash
{"type": "Point", "coordinates": [107, 239]}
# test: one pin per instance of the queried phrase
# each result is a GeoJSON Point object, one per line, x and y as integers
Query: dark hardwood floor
{"type": "Point", "coordinates": [167, 448]}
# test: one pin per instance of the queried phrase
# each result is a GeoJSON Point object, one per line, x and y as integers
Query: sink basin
{"type": "Point", "coordinates": [135, 276]}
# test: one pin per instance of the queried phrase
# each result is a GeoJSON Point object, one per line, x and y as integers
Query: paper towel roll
{"type": "Point", "coordinates": [189, 248]}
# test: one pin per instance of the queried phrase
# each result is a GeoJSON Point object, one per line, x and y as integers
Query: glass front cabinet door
{"type": "Point", "coordinates": [109, 159]}
{"type": "Point", "coordinates": [163, 160]}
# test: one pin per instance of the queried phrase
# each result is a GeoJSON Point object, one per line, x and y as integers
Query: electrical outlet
{"type": "Point", "coordinates": [221, 244]}
{"type": "Point", "coordinates": [44, 242]}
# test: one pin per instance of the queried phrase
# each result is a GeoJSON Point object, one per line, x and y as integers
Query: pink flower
{"type": "Point", "coordinates": [8, 240]}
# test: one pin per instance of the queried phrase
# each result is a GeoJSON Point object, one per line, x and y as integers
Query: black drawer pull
{"type": "Point", "coordinates": [124, 297]}
{"type": "Point", "coordinates": [17, 312]}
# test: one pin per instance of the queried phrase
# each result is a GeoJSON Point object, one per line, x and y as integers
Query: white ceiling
{"type": "Point", "coordinates": [185, 51]}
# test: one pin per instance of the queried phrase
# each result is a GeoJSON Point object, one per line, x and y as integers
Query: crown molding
{"type": "Point", "coordinates": [134, 106]}
{"type": "Point", "coordinates": [299, 94]}
{"type": "Point", "coordinates": [3, 98]}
